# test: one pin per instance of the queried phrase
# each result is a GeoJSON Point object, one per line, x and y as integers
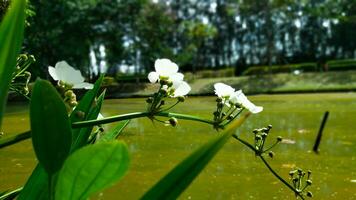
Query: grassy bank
{"type": "Point", "coordinates": [277, 83]}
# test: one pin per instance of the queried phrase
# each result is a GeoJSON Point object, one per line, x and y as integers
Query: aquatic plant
{"type": "Point", "coordinates": [74, 163]}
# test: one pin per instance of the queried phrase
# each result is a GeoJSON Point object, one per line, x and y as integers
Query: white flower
{"type": "Point", "coordinates": [181, 89]}
{"type": "Point", "coordinates": [223, 90]}
{"type": "Point", "coordinates": [64, 72]}
{"type": "Point", "coordinates": [239, 97]}
{"type": "Point", "coordinates": [164, 68]}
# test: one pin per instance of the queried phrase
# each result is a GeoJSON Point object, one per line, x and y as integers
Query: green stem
{"type": "Point", "coordinates": [184, 117]}
{"type": "Point", "coordinates": [12, 194]}
{"type": "Point", "coordinates": [280, 178]}
{"type": "Point", "coordinates": [14, 139]}
{"type": "Point", "coordinates": [268, 166]}
{"type": "Point", "coordinates": [170, 106]}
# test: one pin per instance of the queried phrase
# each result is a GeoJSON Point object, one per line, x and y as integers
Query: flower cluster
{"type": "Point", "coordinates": [230, 97]}
{"type": "Point", "coordinates": [235, 101]}
{"type": "Point", "coordinates": [170, 79]}
{"type": "Point", "coordinates": [301, 180]}
{"type": "Point", "coordinates": [172, 85]}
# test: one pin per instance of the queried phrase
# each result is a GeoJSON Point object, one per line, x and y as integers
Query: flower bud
{"type": "Point", "coordinates": [223, 114]}
{"type": "Point", "coordinates": [162, 102]}
{"type": "Point", "coordinates": [255, 131]}
{"type": "Point", "coordinates": [291, 173]}
{"type": "Point", "coordinates": [68, 93]}
{"type": "Point", "coordinates": [149, 100]}
{"type": "Point", "coordinates": [163, 82]}
{"type": "Point", "coordinates": [269, 126]}
{"type": "Point", "coordinates": [163, 91]}
{"type": "Point", "coordinates": [220, 104]}
{"type": "Point", "coordinates": [279, 139]}
{"type": "Point", "coordinates": [80, 114]}
{"type": "Point", "coordinates": [219, 99]}
{"type": "Point", "coordinates": [73, 103]}
{"type": "Point", "coordinates": [264, 135]}
{"type": "Point", "coordinates": [173, 121]}
{"type": "Point", "coordinates": [309, 194]}
{"type": "Point", "coordinates": [216, 113]}
{"type": "Point", "coordinates": [230, 117]}
{"type": "Point", "coordinates": [271, 154]}
{"type": "Point", "coordinates": [181, 99]}
{"type": "Point", "coordinates": [309, 182]}
{"type": "Point", "coordinates": [169, 83]}
{"type": "Point", "coordinates": [101, 129]}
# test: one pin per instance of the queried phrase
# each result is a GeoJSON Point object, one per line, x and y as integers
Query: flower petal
{"type": "Point", "coordinates": [84, 85]}
{"type": "Point", "coordinates": [223, 90]}
{"type": "Point", "coordinates": [182, 90]}
{"type": "Point", "coordinates": [165, 67]}
{"type": "Point", "coordinates": [153, 77]}
{"type": "Point", "coordinates": [53, 73]}
{"type": "Point", "coordinates": [68, 74]}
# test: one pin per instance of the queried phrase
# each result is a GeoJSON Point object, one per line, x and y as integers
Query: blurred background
{"type": "Point", "coordinates": [240, 37]}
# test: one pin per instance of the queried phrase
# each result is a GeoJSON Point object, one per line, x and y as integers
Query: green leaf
{"type": "Point", "coordinates": [179, 178]}
{"type": "Point", "coordinates": [50, 125]}
{"type": "Point", "coordinates": [8, 195]}
{"type": "Point", "coordinates": [113, 133]}
{"type": "Point", "coordinates": [84, 133]}
{"type": "Point", "coordinates": [11, 36]}
{"type": "Point", "coordinates": [36, 186]}
{"type": "Point", "coordinates": [90, 169]}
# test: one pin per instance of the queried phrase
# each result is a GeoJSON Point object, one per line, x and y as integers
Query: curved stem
{"type": "Point", "coordinates": [268, 166]}
{"type": "Point", "coordinates": [280, 178]}
{"type": "Point", "coordinates": [170, 106]}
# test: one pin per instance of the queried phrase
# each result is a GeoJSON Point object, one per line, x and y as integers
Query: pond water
{"type": "Point", "coordinates": [235, 173]}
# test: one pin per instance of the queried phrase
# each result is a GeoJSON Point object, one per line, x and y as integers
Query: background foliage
{"type": "Point", "coordinates": [195, 33]}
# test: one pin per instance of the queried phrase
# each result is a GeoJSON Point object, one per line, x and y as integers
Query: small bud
{"type": "Point", "coordinates": [291, 173]}
{"type": "Point", "coordinates": [271, 154]}
{"type": "Point", "coordinates": [216, 113]}
{"type": "Point", "coordinates": [163, 82]}
{"type": "Point", "coordinates": [230, 117]}
{"type": "Point", "coordinates": [68, 93]}
{"type": "Point", "coordinates": [219, 99]}
{"type": "Point", "coordinates": [149, 100]}
{"type": "Point", "coordinates": [309, 194]}
{"type": "Point", "coordinates": [181, 99]}
{"type": "Point", "coordinates": [80, 114]}
{"type": "Point", "coordinates": [255, 131]}
{"type": "Point", "coordinates": [309, 182]}
{"type": "Point", "coordinates": [163, 91]}
{"type": "Point", "coordinates": [101, 129]}
{"type": "Point", "coordinates": [162, 102]}
{"type": "Point", "coordinates": [220, 104]}
{"type": "Point", "coordinates": [295, 179]}
{"type": "Point", "coordinates": [258, 137]}
{"type": "Point", "coordinates": [266, 130]}
{"type": "Point", "coordinates": [169, 83]}
{"type": "Point", "coordinates": [264, 135]}
{"type": "Point", "coordinates": [73, 103]}
{"type": "Point", "coordinates": [223, 114]}
{"type": "Point", "coordinates": [269, 126]}
{"type": "Point", "coordinates": [279, 139]}
{"type": "Point", "coordinates": [300, 171]}
{"type": "Point", "coordinates": [173, 121]}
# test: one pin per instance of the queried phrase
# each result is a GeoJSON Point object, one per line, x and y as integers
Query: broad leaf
{"type": "Point", "coordinates": [11, 36]}
{"type": "Point", "coordinates": [50, 125]}
{"type": "Point", "coordinates": [179, 178]}
{"type": "Point", "coordinates": [90, 169]}
{"type": "Point", "coordinates": [113, 133]}
{"type": "Point", "coordinates": [36, 186]}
